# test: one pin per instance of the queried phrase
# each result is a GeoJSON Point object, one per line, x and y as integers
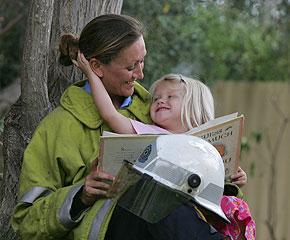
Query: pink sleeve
{"type": "Point", "coordinates": [242, 222]}
{"type": "Point", "coordinates": [142, 128]}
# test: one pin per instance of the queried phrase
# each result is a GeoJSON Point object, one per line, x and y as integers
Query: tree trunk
{"type": "Point", "coordinates": [42, 82]}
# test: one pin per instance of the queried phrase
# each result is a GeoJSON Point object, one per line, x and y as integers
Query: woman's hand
{"type": "Point", "coordinates": [240, 178]}
{"type": "Point", "coordinates": [96, 185]}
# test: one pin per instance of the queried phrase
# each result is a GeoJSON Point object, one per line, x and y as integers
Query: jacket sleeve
{"type": "Point", "coordinates": [54, 165]}
{"type": "Point", "coordinates": [231, 189]}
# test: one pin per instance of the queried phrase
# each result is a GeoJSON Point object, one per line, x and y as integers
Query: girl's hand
{"type": "Point", "coordinates": [96, 185]}
{"type": "Point", "coordinates": [240, 178]}
{"type": "Point", "coordinates": [83, 64]}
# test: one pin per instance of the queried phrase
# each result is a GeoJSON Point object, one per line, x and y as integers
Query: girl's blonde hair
{"type": "Point", "coordinates": [197, 104]}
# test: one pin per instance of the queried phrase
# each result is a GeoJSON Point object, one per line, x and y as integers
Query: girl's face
{"type": "Point", "coordinates": [166, 105]}
{"type": "Point", "coordinates": [120, 74]}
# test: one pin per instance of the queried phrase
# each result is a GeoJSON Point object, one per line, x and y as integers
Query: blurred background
{"type": "Point", "coordinates": [239, 48]}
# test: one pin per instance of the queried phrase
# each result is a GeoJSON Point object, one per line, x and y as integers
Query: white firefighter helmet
{"type": "Point", "coordinates": [189, 165]}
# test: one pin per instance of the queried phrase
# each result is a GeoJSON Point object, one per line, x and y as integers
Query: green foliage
{"type": "Point", "coordinates": [252, 168]}
{"type": "Point", "coordinates": [247, 144]}
{"type": "Point", "coordinates": [216, 41]}
{"type": "Point", "coordinates": [254, 138]}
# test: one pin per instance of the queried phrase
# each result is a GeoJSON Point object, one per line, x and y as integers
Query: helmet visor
{"type": "Point", "coordinates": [148, 199]}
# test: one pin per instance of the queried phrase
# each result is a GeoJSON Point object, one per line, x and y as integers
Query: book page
{"type": "Point", "coordinates": [226, 138]}
{"type": "Point", "coordinates": [224, 133]}
{"type": "Point", "coordinates": [117, 148]}
{"type": "Point", "coordinates": [214, 122]}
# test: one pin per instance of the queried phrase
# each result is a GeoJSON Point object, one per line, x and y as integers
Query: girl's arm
{"type": "Point", "coordinates": [102, 100]}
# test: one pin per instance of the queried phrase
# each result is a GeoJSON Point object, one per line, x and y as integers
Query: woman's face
{"type": "Point", "coordinates": [120, 74]}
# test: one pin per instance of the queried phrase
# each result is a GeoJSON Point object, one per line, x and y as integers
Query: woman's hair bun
{"type": "Point", "coordinates": [68, 47]}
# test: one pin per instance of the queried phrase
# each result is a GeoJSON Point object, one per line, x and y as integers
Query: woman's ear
{"type": "Point", "coordinates": [96, 66]}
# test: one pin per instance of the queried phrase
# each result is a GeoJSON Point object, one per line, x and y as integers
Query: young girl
{"type": "Point", "coordinates": [178, 105]}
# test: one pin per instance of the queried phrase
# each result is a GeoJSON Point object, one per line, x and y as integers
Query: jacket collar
{"type": "Point", "coordinates": [127, 100]}
{"type": "Point", "coordinates": [80, 104]}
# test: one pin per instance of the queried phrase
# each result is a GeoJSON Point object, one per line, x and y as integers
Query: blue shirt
{"type": "Point", "coordinates": [127, 101]}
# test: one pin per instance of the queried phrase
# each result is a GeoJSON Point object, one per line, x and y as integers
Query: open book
{"type": "Point", "coordinates": [224, 133]}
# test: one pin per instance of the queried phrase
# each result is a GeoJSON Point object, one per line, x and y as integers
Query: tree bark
{"type": "Point", "coordinates": [73, 15]}
{"type": "Point", "coordinates": [42, 82]}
